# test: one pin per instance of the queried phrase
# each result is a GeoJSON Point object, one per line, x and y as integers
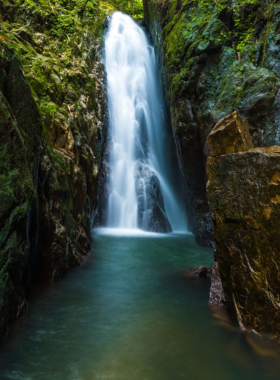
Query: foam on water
{"type": "Point", "coordinates": [135, 232]}
{"type": "Point", "coordinates": [126, 232]}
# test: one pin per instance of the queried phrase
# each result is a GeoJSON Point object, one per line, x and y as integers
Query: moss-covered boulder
{"type": "Point", "coordinates": [243, 192]}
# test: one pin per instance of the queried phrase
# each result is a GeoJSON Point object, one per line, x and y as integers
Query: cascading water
{"type": "Point", "coordinates": [144, 193]}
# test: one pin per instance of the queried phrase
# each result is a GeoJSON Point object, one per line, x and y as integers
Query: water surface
{"type": "Point", "coordinates": [128, 314]}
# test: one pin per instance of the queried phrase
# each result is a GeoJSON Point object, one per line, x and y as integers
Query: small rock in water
{"type": "Point", "coordinates": [203, 271]}
{"type": "Point", "coordinates": [197, 272]}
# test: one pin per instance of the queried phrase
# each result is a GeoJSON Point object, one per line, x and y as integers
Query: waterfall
{"type": "Point", "coordinates": [145, 189]}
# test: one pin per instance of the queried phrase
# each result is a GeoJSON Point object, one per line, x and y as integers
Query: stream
{"type": "Point", "coordinates": [128, 314]}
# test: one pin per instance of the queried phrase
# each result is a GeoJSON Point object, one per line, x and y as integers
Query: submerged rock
{"type": "Point", "coordinates": [203, 271]}
{"type": "Point", "coordinates": [151, 211]}
{"type": "Point", "coordinates": [200, 272]}
{"type": "Point", "coordinates": [243, 192]}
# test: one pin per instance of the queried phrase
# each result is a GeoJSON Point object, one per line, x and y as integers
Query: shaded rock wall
{"type": "Point", "coordinates": [52, 128]}
{"type": "Point", "coordinates": [216, 57]}
{"type": "Point", "coordinates": [244, 196]}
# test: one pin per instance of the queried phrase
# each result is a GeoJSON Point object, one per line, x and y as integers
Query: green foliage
{"type": "Point", "coordinates": [132, 7]}
{"type": "Point", "coordinates": [196, 28]}
{"type": "Point", "coordinates": [243, 33]}
{"type": "Point", "coordinates": [53, 39]}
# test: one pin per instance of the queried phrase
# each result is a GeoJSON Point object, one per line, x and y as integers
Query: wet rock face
{"type": "Point", "coordinates": [216, 296]}
{"type": "Point", "coordinates": [243, 192]}
{"type": "Point", "coordinates": [208, 71]}
{"type": "Point", "coordinates": [151, 211]}
{"type": "Point", "coordinates": [18, 156]}
{"type": "Point", "coordinates": [51, 136]}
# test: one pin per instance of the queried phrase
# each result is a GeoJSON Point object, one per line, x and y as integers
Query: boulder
{"type": "Point", "coordinates": [203, 271]}
{"type": "Point", "coordinates": [230, 135]}
{"type": "Point", "coordinates": [195, 273]}
{"type": "Point", "coordinates": [244, 196]}
{"type": "Point", "coordinates": [151, 211]}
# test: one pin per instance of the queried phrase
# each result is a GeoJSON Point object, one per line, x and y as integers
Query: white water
{"type": "Point", "coordinates": [137, 126]}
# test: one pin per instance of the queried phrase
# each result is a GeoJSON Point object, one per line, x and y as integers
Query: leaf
{"type": "Point", "coordinates": [69, 110]}
{"type": "Point", "coordinates": [4, 38]}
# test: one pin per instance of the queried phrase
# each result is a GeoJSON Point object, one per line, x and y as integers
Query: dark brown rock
{"type": "Point", "coordinates": [203, 271]}
{"type": "Point", "coordinates": [230, 135]}
{"type": "Point", "coordinates": [196, 272]}
{"type": "Point", "coordinates": [151, 214]}
{"type": "Point", "coordinates": [244, 196]}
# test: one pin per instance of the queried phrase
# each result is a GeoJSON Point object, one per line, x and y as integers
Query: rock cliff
{"type": "Point", "coordinates": [243, 191]}
{"type": "Point", "coordinates": [52, 124]}
{"type": "Point", "coordinates": [216, 57]}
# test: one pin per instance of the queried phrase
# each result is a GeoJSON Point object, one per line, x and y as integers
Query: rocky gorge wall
{"type": "Point", "coordinates": [52, 125]}
{"type": "Point", "coordinates": [216, 57]}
